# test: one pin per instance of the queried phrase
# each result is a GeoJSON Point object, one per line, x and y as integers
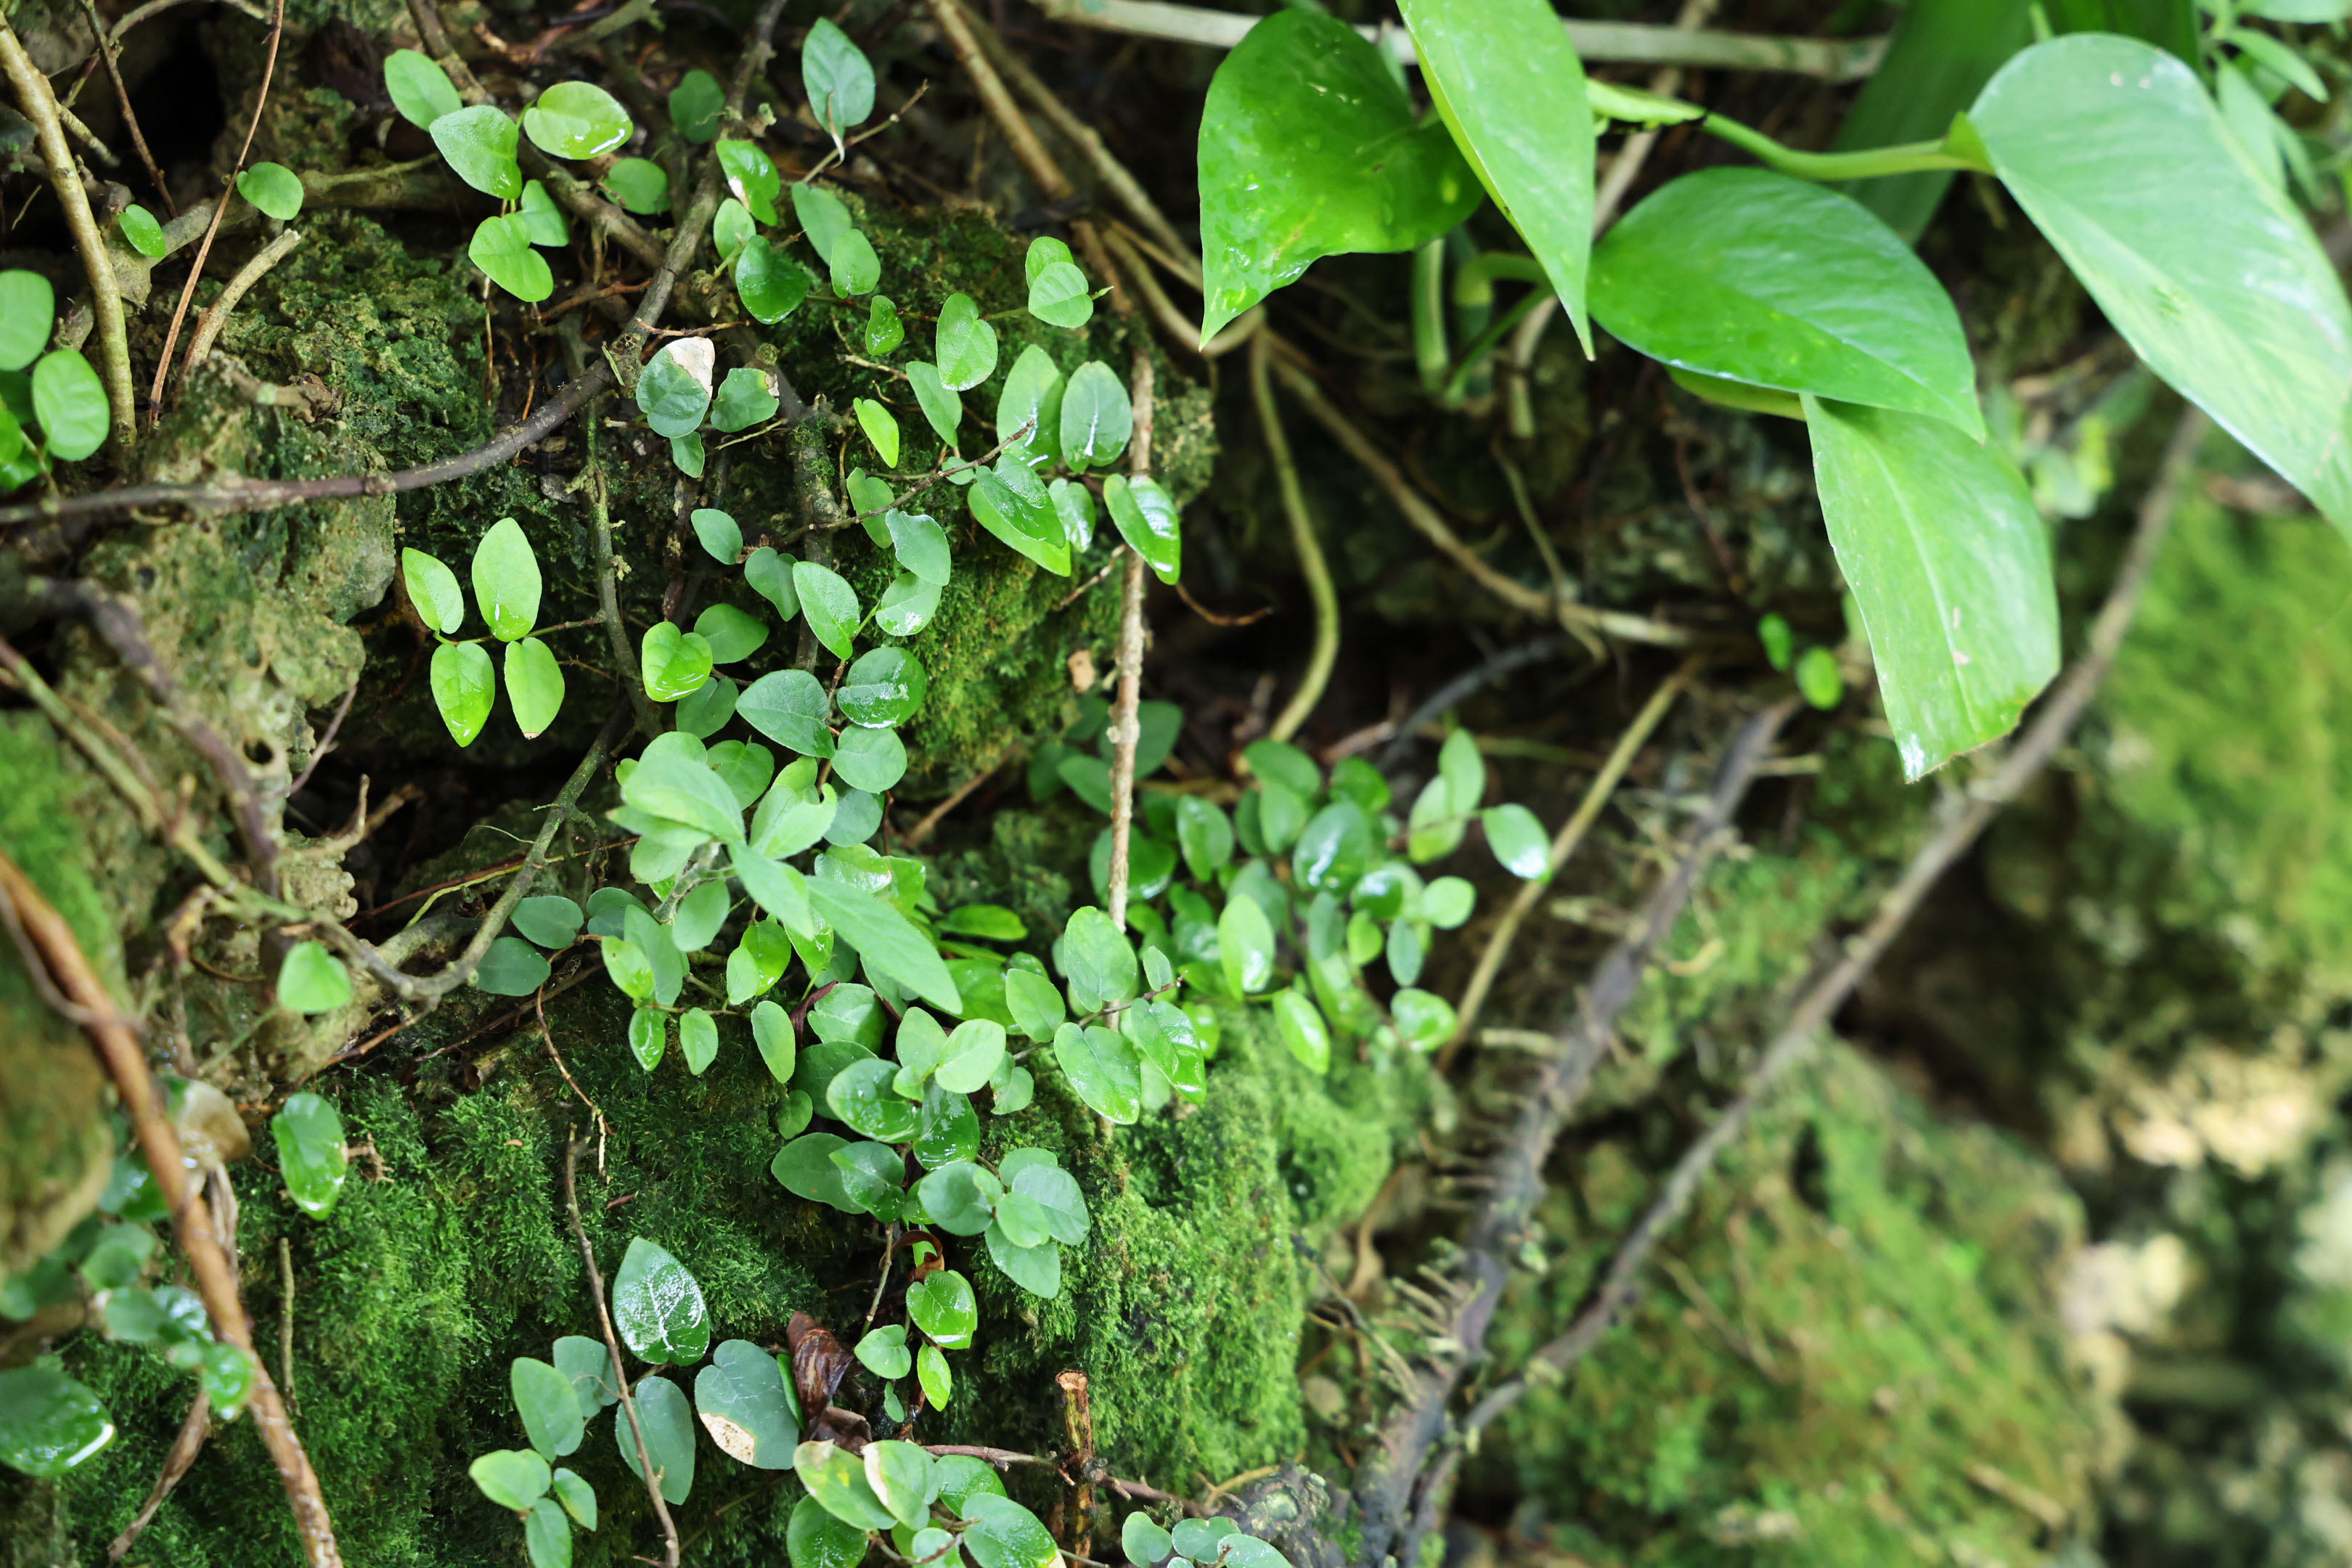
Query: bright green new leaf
{"type": "Point", "coordinates": [464, 687]}
{"type": "Point", "coordinates": [549, 1408]}
{"type": "Point", "coordinates": [824, 217]}
{"type": "Point", "coordinates": [1518, 840]}
{"type": "Point", "coordinates": [1751, 276]}
{"type": "Point", "coordinates": [1044, 251]}
{"type": "Point", "coordinates": [734, 635]}
{"type": "Point", "coordinates": [506, 581]}
{"type": "Point", "coordinates": [1037, 1269]}
{"type": "Point", "coordinates": [1205, 835]}
{"type": "Point", "coordinates": [546, 1535]}
{"type": "Point", "coordinates": [990, 923]}
{"type": "Point", "coordinates": [28, 308]}
{"type": "Point", "coordinates": [1146, 517]}
{"type": "Point", "coordinates": [308, 1133]}
{"type": "Point", "coordinates": [966, 344]}
{"type": "Point", "coordinates": [511, 1477]}
{"type": "Point", "coordinates": [697, 1040]}
{"type": "Point", "coordinates": [974, 1050]}
{"type": "Point", "coordinates": [576, 120]}
{"type": "Point", "coordinates": [1308, 148]}
{"type": "Point", "coordinates": [1098, 961]}
{"type": "Point", "coordinates": [815, 1539]}
{"type": "Point", "coordinates": [884, 332]}
{"type": "Point", "coordinates": [1509, 86]}
{"type": "Point", "coordinates": [480, 144]}
{"type": "Point", "coordinates": [142, 232]}
{"type": "Point", "coordinates": [881, 428]}
{"type": "Point", "coordinates": [1059, 297]}
{"type": "Point", "coordinates": [1949, 564]}
{"type": "Point", "coordinates": [885, 940]}
{"type": "Point", "coordinates": [1143, 1541]}
{"type": "Point", "coordinates": [854, 267]}
{"type": "Point", "coordinates": [1096, 418]}
{"type": "Point", "coordinates": [312, 980]}
{"type": "Point", "coordinates": [578, 1498]}
{"type": "Point", "coordinates": [771, 284]}
{"type": "Point", "coordinates": [512, 967]}
{"type": "Point", "coordinates": [1463, 769]}
{"type": "Point", "coordinates": [1301, 1026]}
{"type": "Point", "coordinates": [941, 407]}
{"type": "Point", "coordinates": [744, 1404]}
{"type": "Point", "coordinates": [772, 1031]}
{"type": "Point", "coordinates": [835, 1479]}
{"type": "Point", "coordinates": [534, 685]}
{"type": "Point", "coordinates": [1103, 1070]}
{"type": "Point", "coordinates": [1423, 1019]}
{"type": "Point", "coordinates": [830, 605]}
{"type": "Point", "coordinates": [885, 1353]}
{"type": "Point", "coordinates": [69, 402]}
{"type": "Point", "coordinates": [639, 185]}
{"type": "Point", "coordinates": [419, 87]}
{"type": "Point", "coordinates": [900, 1473]}
{"type": "Point", "coordinates": [942, 1303]}
{"type": "Point", "coordinates": [2123, 163]}
{"type": "Point", "coordinates": [668, 1427]}
{"type": "Point", "coordinates": [731, 229]}
{"type": "Point", "coordinates": [674, 392]}
{"type": "Point", "coordinates": [1819, 680]}
{"type": "Point", "coordinates": [838, 77]}
{"type": "Point", "coordinates": [1034, 1003]}
{"type": "Point", "coordinates": [274, 188]}
{"type": "Point", "coordinates": [1245, 946]}
{"type": "Point", "coordinates": [543, 221]}
{"type": "Point", "coordinates": [751, 176]}
{"type": "Point", "coordinates": [675, 663]}
{"type": "Point", "coordinates": [747, 398]}
{"type": "Point", "coordinates": [717, 532]}
{"type": "Point", "coordinates": [433, 589]}
{"type": "Point", "coordinates": [860, 1098]}
{"type": "Point", "coordinates": [885, 687]}
{"type": "Point", "coordinates": [938, 1383]}
{"type": "Point", "coordinates": [695, 106]}
{"type": "Point", "coordinates": [870, 760]}
{"type": "Point", "coordinates": [657, 1305]}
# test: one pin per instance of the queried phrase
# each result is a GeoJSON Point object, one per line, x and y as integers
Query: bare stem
{"type": "Point", "coordinates": [1125, 730]}
{"type": "Point", "coordinates": [612, 1351]}
{"type": "Point", "coordinates": [215, 316]}
{"type": "Point", "coordinates": [1311, 564]}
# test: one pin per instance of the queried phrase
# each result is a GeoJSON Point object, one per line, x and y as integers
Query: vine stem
{"type": "Point", "coordinates": [215, 315]}
{"type": "Point", "coordinates": [40, 106]}
{"type": "Point", "coordinates": [109, 51]}
{"type": "Point", "coordinates": [1563, 844]}
{"type": "Point", "coordinates": [1311, 564]}
{"type": "Point", "coordinates": [205, 1248]}
{"type": "Point", "coordinates": [613, 1350]}
{"type": "Point", "coordinates": [1124, 732]}
{"type": "Point", "coordinates": [1394, 1475]}
{"type": "Point", "coordinates": [2051, 727]}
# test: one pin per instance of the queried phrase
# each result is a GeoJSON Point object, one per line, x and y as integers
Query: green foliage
{"type": "Point", "coordinates": [309, 1132]}
{"type": "Point", "coordinates": [276, 189]}
{"type": "Point", "coordinates": [312, 980]}
{"type": "Point", "coordinates": [576, 120]}
{"type": "Point", "coordinates": [837, 77]}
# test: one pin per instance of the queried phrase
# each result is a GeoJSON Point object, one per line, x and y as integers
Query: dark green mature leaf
{"type": "Point", "coordinates": [815, 1539]}
{"type": "Point", "coordinates": [1754, 276]}
{"type": "Point", "coordinates": [870, 760]}
{"type": "Point", "coordinates": [838, 77]}
{"type": "Point", "coordinates": [854, 268]}
{"type": "Point", "coordinates": [745, 1404]}
{"type": "Point", "coordinates": [549, 1407]}
{"type": "Point", "coordinates": [1940, 541]}
{"type": "Point", "coordinates": [479, 143]}
{"type": "Point", "coordinates": [747, 398]}
{"type": "Point", "coordinates": [860, 1096]}
{"type": "Point", "coordinates": [674, 392]}
{"type": "Point", "coordinates": [884, 332]}
{"type": "Point", "coordinates": [1339, 845]}
{"type": "Point", "coordinates": [669, 1425]}
{"type": "Point", "coordinates": [639, 185]}
{"type": "Point", "coordinates": [546, 1535]}
{"type": "Point", "coordinates": [513, 967]}
{"type": "Point", "coordinates": [960, 1197]}
{"type": "Point", "coordinates": [885, 939]}
{"type": "Point", "coordinates": [884, 1351]}
{"type": "Point", "coordinates": [1308, 148]}
{"type": "Point", "coordinates": [805, 1168]}
{"type": "Point", "coordinates": [750, 175]}
{"type": "Point", "coordinates": [828, 604]}
{"type": "Point", "coordinates": [1147, 519]}
{"type": "Point", "coordinates": [657, 1305]}
{"type": "Point", "coordinates": [2114, 150]}
{"type": "Point", "coordinates": [900, 1472]}
{"type": "Point", "coordinates": [69, 402]}
{"type": "Point", "coordinates": [771, 284]}
{"type": "Point", "coordinates": [884, 687]}
{"type": "Point", "coordinates": [789, 707]}
{"type": "Point", "coordinates": [28, 305]}
{"type": "Point", "coordinates": [941, 407]}
{"type": "Point", "coordinates": [588, 1367]}
{"type": "Point", "coordinates": [734, 635]}
{"type": "Point", "coordinates": [962, 1478]}
{"type": "Point", "coordinates": [511, 1477]}
{"type": "Point", "coordinates": [274, 188]}
{"type": "Point", "coordinates": [1511, 90]}
{"type": "Point", "coordinates": [920, 545]}
{"type": "Point", "coordinates": [695, 106]}
{"type": "Point", "coordinates": [1037, 1269]}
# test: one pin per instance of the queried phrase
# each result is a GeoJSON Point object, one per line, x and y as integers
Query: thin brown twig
{"type": "Point", "coordinates": [110, 52]}
{"type": "Point", "coordinates": [215, 315]}
{"type": "Point", "coordinates": [2052, 725]}
{"type": "Point", "coordinates": [194, 1429]}
{"type": "Point", "coordinates": [914, 836]}
{"type": "Point", "coordinates": [1563, 844]}
{"type": "Point", "coordinates": [40, 106]}
{"type": "Point", "coordinates": [547, 1037]}
{"type": "Point", "coordinates": [206, 1249]}
{"type": "Point", "coordinates": [220, 208]}
{"type": "Point", "coordinates": [613, 1350]}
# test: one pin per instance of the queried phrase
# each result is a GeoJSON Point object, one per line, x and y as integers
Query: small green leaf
{"type": "Point", "coordinates": [1004, 1534]}
{"type": "Point", "coordinates": [308, 1133]}
{"type": "Point", "coordinates": [992, 922]}
{"type": "Point", "coordinates": [433, 589]}
{"type": "Point", "coordinates": [312, 980]}
{"type": "Point", "coordinates": [549, 920]}
{"type": "Point", "coordinates": [732, 634]}
{"type": "Point", "coordinates": [1205, 835]}
{"type": "Point", "coordinates": [771, 576]}
{"type": "Point", "coordinates": [697, 1040]}
{"type": "Point", "coordinates": [674, 392]}
{"type": "Point", "coordinates": [921, 546]}
{"type": "Point", "coordinates": [534, 685]}
{"type": "Point", "coordinates": [464, 687]}
{"type": "Point", "coordinates": [548, 1407]}
{"type": "Point", "coordinates": [885, 939]}
{"type": "Point", "coordinates": [884, 1351]}
{"type": "Point", "coordinates": [974, 1050]}
{"type": "Point", "coordinates": [1037, 1269]}
{"type": "Point", "coordinates": [941, 405]}
{"type": "Point", "coordinates": [675, 663]}
{"type": "Point", "coordinates": [687, 454]}
{"type": "Point", "coordinates": [546, 1535]}
{"type": "Point", "coordinates": [1103, 1070]}
{"type": "Point", "coordinates": [543, 221]}
{"type": "Point", "coordinates": [1779, 641]}
{"type": "Point", "coordinates": [506, 581]}
{"type": "Point", "coordinates": [1245, 946]}
{"type": "Point", "coordinates": [815, 1539]}
{"type": "Point", "coordinates": [747, 398]}
{"type": "Point", "coordinates": [1309, 148]}
{"type": "Point", "coordinates": [1463, 771]}
{"type": "Point", "coordinates": [69, 402]}
{"type": "Point", "coordinates": [1199, 1538]}
{"type": "Point", "coordinates": [860, 1097]}
{"type": "Point", "coordinates": [885, 687]}
{"type": "Point", "coordinates": [1423, 1019]}
{"type": "Point", "coordinates": [1030, 408]}
{"type": "Point", "coordinates": [511, 1477]}
{"type": "Point", "coordinates": [1098, 960]}
{"type": "Point", "coordinates": [1146, 517]}
{"type": "Point", "coordinates": [578, 1498]}
{"type": "Point", "coordinates": [1145, 1544]}
{"type": "Point", "coordinates": [1447, 902]}
{"type": "Point", "coordinates": [884, 332]}
{"type": "Point", "coordinates": [900, 1474]}
{"type": "Point", "coordinates": [1097, 419]}
{"type": "Point", "coordinates": [789, 707]}
{"type": "Point", "coordinates": [836, 1479]}
{"type": "Point", "coordinates": [906, 606]}
{"type": "Point", "coordinates": [1034, 1003]}
{"type": "Point", "coordinates": [142, 232]}
{"type": "Point", "coordinates": [732, 229]}
{"type": "Point", "coordinates": [695, 106]}
{"type": "Point", "coordinates": [657, 1305]}
{"type": "Point", "coordinates": [854, 266]}
{"type": "Point", "coordinates": [822, 218]}
{"type": "Point", "coordinates": [1509, 85]}
{"type": "Point", "coordinates": [576, 120]}
{"type": "Point", "coordinates": [966, 344]}
{"type": "Point", "coordinates": [28, 308]}
{"type": "Point", "coordinates": [838, 77]}
{"type": "Point", "coordinates": [639, 185]}
{"type": "Point", "coordinates": [772, 1031]}
{"type": "Point", "coordinates": [718, 533]}
{"type": "Point", "coordinates": [937, 1382]}
{"type": "Point", "coordinates": [751, 176]}
{"type": "Point", "coordinates": [668, 1424]}
{"type": "Point", "coordinates": [771, 284]}
{"type": "Point", "coordinates": [745, 1404]}
{"type": "Point", "coordinates": [1818, 678]}
{"type": "Point", "coordinates": [941, 1303]}
{"type": "Point", "coordinates": [419, 87]}
{"type": "Point", "coordinates": [275, 189]}
{"type": "Point", "coordinates": [1302, 1028]}
{"type": "Point", "coordinates": [881, 428]}
{"type": "Point", "coordinates": [1518, 839]}
{"type": "Point", "coordinates": [960, 1199]}
{"type": "Point", "coordinates": [512, 967]}
{"type": "Point", "coordinates": [871, 760]}
{"type": "Point", "coordinates": [480, 144]}
{"type": "Point", "coordinates": [1059, 296]}
{"type": "Point", "coordinates": [1060, 1204]}
{"type": "Point", "coordinates": [830, 605]}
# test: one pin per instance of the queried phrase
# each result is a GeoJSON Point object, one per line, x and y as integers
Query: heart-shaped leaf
{"type": "Point", "coordinates": [480, 144]}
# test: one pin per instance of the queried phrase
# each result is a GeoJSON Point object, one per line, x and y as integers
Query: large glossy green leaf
{"type": "Point", "coordinates": [1308, 148]}
{"type": "Point", "coordinates": [48, 1422]}
{"type": "Point", "coordinates": [1511, 89]}
{"type": "Point", "coordinates": [1947, 560]}
{"type": "Point", "coordinates": [657, 1305]}
{"type": "Point", "coordinates": [1754, 276]}
{"type": "Point", "coordinates": [2114, 150]}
